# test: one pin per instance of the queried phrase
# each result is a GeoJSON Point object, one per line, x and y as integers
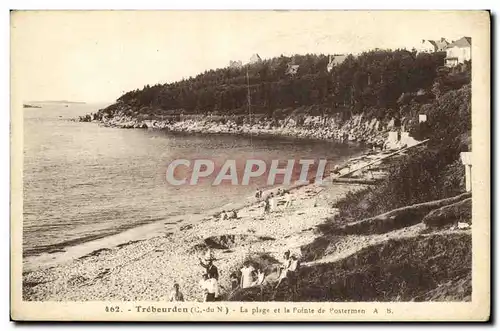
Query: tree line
{"type": "Point", "coordinates": [372, 81]}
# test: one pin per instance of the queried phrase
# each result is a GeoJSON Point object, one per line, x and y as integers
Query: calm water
{"type": "Point", "coordinates": [83, 181]}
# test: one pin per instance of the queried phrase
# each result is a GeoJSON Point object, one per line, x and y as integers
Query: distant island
{"type": "Point", "coordinates": [30, 106]}
{"type": "Point", "coordinates": [59, 102]}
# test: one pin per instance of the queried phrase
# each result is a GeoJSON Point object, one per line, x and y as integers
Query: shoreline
{"type": "Point", "coordinates": [358, 129]}
{"type": "Point", "coordinates": [186, 239]}
{"type": "Point", "coordinates": [48, 259]}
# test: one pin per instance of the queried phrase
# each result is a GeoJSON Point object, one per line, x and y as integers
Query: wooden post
{"type": "Point", "coordinates": [466, 158]}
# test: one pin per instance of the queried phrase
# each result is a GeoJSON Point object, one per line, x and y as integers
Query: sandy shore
{"type": "Point", "coordinates": [146, 269]}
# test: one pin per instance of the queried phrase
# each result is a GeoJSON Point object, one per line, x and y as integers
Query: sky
{"type": "Point", "coordinates": [96, 56]}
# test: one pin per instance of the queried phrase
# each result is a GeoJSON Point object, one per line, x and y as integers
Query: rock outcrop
{"type": "Point", "coordinates": [357, 128]}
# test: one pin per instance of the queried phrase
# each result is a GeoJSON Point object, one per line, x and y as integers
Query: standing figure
{"type": "Point", "coordinates": [176, 295]}
{"type": "Point", "coordinates": [272, 201]}
{"type": "Point", "coordinates": [235, 282]}
{"type": "Point", "coordinates": [267, 206]}
{"type": "Point", "coordinates": [210, 268]}
{"type": "Point", "coordinates": [284, 267]}
{"type": "Point", "coordinates": [210, 288]}
{"type": "Point", "coordinates": [288, 200]}
{"type": "Point", "coordinates": [247, 275]}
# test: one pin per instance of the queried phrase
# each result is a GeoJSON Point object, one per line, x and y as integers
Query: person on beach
{"type": "Point", "coordinates": [223, 215]}
{"type": "Point", "coordinates": [247, 275]}
{"type": "Point", "coordinates": [210, 288]}
{"type": "Point", "coordinates": [267, 206]}
{"type": "Point", "coordinates": [176, 295]}
{"type": "Point", "coordinates": [258, 194]}
{"type": "Point", "coordinates": [290, 272]}
{"type": "Point", "coordinates": [288, 200]}
{"type": "Point", "coordinates": [260, 277]}
{"type": "Point", "coordinates": [210, 268]}
{"type": "Point", "coordinates": [235, 281]}
{"type": "Point", "coordinates": [234, 215]}
{"type": "Point", "coordinates": [272, 202]}
{"type": "Point", "coordinates": [283, 269]}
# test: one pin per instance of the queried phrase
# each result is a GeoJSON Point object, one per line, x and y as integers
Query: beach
{"type": "Point", "coordinates": [146, 262]}
{"type": "Point", "coordinates": [145, 266]}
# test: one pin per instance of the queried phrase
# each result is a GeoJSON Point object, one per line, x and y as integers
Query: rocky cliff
{"type": "Point", "coordinates": [357, 128]}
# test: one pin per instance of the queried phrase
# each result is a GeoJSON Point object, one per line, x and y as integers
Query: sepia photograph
{"type": "Point", "coordinates": [174, 164]}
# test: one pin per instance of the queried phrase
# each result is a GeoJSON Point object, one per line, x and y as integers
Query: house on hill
{"type": "Point", "coordinates": [292, 69]}
{"type": "Point", "coordinates": [235, 64]}
{"type": "Point", "coordinates": [335, 60]}
{"type": "Point", "coordinates": [255, 58]}
{"type": "Point", "coordinates": [458, 52]}
{"type": "Point", "coordinates": [433, 46]}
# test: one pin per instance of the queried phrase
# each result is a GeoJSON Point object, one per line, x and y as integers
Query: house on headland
{"type": "Point", "coordinates": [458, 52]}
{"type": "Point", "coordinates": [292, 69]}
{"type": "Point", "coordinates": [433, 46]}
{"type": "Point", "coordinates": [255, 58]}
{"type": "Point", "coordinates": [235, 64]}
{"type": "Point", "coordinates": [335, 60]}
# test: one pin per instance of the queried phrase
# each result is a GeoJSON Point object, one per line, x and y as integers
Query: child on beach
{"type": "Point", "coordinates": [176, 295]}
{"type": "Point", "coordinates": [260, 277]}
{"type": "Point", "coordinates": [288, 200]}
{"type": "Point", "coordinates": [223, 215]}
{"type": "Point", "coordinates": [247, 275]}
{"type": "Point", "coordinates": [272, 202]}
{"type": "Point", "coordinates": [258, 194]}
{"type": "Point", "coordinates": [267, 206]}
{"type": "Point", "coordinates": [235, 282]}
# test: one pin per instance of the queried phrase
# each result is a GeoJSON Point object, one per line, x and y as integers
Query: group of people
{"type": "Point", "coordinates": [289, 270]}
{"type": "Point", "coordinates": [248, 276]}
{"type": "Point", "coordinates": [228, 215]}
{"type": "Point", "coordinates": [210, 281]}
{"type": "Point", "coordinates": [270, 203]}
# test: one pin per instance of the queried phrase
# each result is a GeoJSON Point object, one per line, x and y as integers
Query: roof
{"type": "Point", "coordinates": [462, 42]}
{"type": "Point", "coordinates": [255, 58]}
{"type": "Point", "coordinates": [338, 59]}
{"type": "Point", "coordinates": [292, 68]}
{"type": "Point", "coordinates": [439, 45]}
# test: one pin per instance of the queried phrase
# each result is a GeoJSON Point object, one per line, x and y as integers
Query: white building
{"type": "Point", "coordinates": [255, 58]}
{"type": "Point", "coordinates": [292, 69]}
{"type": "Point", "coordinates": [458, 52]}
{"type": "Point", "coordinates": [235, 64]}
{"type": "Point", "coordinates": [433, 46]}
{"type": "Point", "coordinates": [466, 158]}
{"type": "Point", "coordinates": [335, 60]}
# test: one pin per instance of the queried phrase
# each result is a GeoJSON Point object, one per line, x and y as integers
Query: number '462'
{"type": "Point", "coordinates": [114, 309]}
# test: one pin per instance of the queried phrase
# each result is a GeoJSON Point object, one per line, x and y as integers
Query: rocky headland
{"type": "Point", "coordinates": [356, 129]}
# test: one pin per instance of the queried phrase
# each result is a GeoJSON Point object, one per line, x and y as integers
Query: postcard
{"type": "Point", "coordinates": [250, 165]}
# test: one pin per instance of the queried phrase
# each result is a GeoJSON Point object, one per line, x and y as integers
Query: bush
{"type": "Point", "coordinates": [451, 214]}
{"type": "Point", "coordinates": [411, 269]}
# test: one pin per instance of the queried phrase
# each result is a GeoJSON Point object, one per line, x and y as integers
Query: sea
{"type": "Point", "coordinates": [83, 181]}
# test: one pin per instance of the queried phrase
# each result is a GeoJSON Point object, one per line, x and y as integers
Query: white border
{"type": "Point", "coordinates": [149, 4]}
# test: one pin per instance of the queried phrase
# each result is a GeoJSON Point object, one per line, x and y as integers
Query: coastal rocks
{"type": "Point", "coordinates": [233, 240]}
{"type": "Point", "coordinates": [225, 242]}
{"type": "Point", "coordinates": [86, 118]}
{"type": "Point", "coordinates": [357, 128]}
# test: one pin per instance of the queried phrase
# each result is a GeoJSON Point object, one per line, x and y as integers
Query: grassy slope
{"type": "Point", "coordinates": [434, 267]}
